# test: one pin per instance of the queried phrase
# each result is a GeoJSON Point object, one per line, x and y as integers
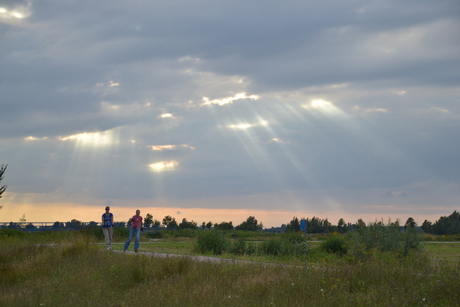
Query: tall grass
{"type": "Point", "coordinates": [79, 273]}
{"type": "Point", "coordinates": [214, 242]}
{"type": "Point", "coordinates": [92, 234]}
{"type": "Point", "coordinates": [378, 238]}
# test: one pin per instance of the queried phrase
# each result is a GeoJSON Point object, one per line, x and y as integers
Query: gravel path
{"type": "Point", "coordinates": [196, 258]}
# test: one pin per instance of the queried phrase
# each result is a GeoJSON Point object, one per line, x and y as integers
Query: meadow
{"type": "Point", "coordinates": [72, 268]}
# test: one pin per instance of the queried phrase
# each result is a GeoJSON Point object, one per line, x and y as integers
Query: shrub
{"type": "Point", "coordinates": [381, 238]}
{"type": "Point", "coordinates": [273, 246]}
{"type": "Point", "coordinates": [412, 240]}
{"type": "Point", "coordinates": [242, 247]}
{"type": "Point", "coordinates": [212, 241]}
{"type": "Point", "coordinates": [334, 244]}
{"type": "Point", "coordinates": [293, 244]}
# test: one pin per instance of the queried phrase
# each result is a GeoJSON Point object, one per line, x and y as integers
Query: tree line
{"type": "Point", "coordinates": [170, 223]}
{"type": "Point", "coordinates": [445, 225]}
{"type": "Point", "coordinates": [3, 188]}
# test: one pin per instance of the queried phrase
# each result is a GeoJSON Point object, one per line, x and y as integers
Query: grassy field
{"type": "Point", "coordinates": [446, 252]}
{"type": "Point", "coordinates": [76, 270]}
{"type": "Point", "coordinates": [438, 252]}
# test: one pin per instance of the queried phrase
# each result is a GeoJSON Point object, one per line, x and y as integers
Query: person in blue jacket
{"type": "Point", "coordinates": [107, 227]}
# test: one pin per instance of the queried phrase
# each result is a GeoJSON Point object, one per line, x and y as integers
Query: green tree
{"type": "Point", "coordinates": [317, 225]}
{"type": "Point", "coordinates": [410, 223]}
{"type": "Point", "coordinates": [209, 225]}
{"type": "Point", "coordinates": [187, 225]}
{"type": "Point", "coordinates": [170, 222]}
{"type": "Point", "coordinates": [341, 226]}
{"type": "Point", "coordinates": [3, 188]}
{"type": "Point", "coordinates": [224, 226]}
{"type": "Point", "coordinates": [250, 224]}
{"type": "Point", "coordinates": [360, 225]}
{"type": "Point", "coordinates": [74, 224]}
{"type": "Point", "coordinates": [447, 225]}
{"type": "Point", "coordinates": [294, 225]}
{"type": "Point", "coordinates": [148, 220]}
{"type": "Point", "coordinates": [426, 226]}
{"type": "Point", "coordinates": [326, 225]}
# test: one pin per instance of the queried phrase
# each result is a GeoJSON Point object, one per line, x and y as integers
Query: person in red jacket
{"type": "Point", "coordinates": [136, 226]}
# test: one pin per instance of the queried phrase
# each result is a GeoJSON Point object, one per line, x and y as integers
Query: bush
{"type": "Point", "coordinates": [212, 241]}
{"type": "Point", "coordinates": [381, 238]}
{"type": "Point", "coordinates": [412, 240]}
{"type": "Point", "coordinates": [242, 247]}
{"type": "Point", "coordinates": [334, 244]}
{"type": "Point", "coordinates": [273, 246]}
{"type": "Point", "coordinates": [293, 244]}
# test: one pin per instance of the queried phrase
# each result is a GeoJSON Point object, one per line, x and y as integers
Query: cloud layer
{"type": "Point", "coordinates": [347, 105]}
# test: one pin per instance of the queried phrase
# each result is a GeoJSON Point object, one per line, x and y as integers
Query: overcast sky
{"type": "Point", "coordinates": [326, 108]}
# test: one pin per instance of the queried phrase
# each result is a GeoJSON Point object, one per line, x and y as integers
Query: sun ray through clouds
{"type": "Point", "coordinates": [90, 153]}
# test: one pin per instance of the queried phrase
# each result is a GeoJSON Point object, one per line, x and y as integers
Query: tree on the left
{"type": "Point", "coordinates": [2, 171]}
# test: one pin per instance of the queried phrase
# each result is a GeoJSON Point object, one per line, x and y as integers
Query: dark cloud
{"type": "Point", "coordinates": [386, 71]}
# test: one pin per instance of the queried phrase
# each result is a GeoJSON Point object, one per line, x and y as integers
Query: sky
{"type": "Point", "coordinates": [221, 110]}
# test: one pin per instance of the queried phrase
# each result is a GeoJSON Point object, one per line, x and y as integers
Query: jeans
{"type": "Point", "coordinates": [136, 242]}
{"type": "Point", "coordinates": [108, 234]}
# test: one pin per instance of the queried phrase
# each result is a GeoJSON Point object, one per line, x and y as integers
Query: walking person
{"type": "Point", "coordinates": [107, 227]}
{"type": "Point", "coordinates": [136, 226]}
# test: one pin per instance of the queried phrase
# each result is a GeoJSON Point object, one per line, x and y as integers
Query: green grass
{"type": "Point", "coordinates": [443, 252]}
{"type": "Point", "coordinates": [174, 247]}
{"type": "Point", "coordinates": [78, 271]}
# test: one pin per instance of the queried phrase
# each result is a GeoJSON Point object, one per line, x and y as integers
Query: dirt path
{"type": "Point", "coordinates": [200, 258]}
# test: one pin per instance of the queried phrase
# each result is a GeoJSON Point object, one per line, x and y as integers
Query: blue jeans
{"type": "Point", "coordinates": [136, 242]}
